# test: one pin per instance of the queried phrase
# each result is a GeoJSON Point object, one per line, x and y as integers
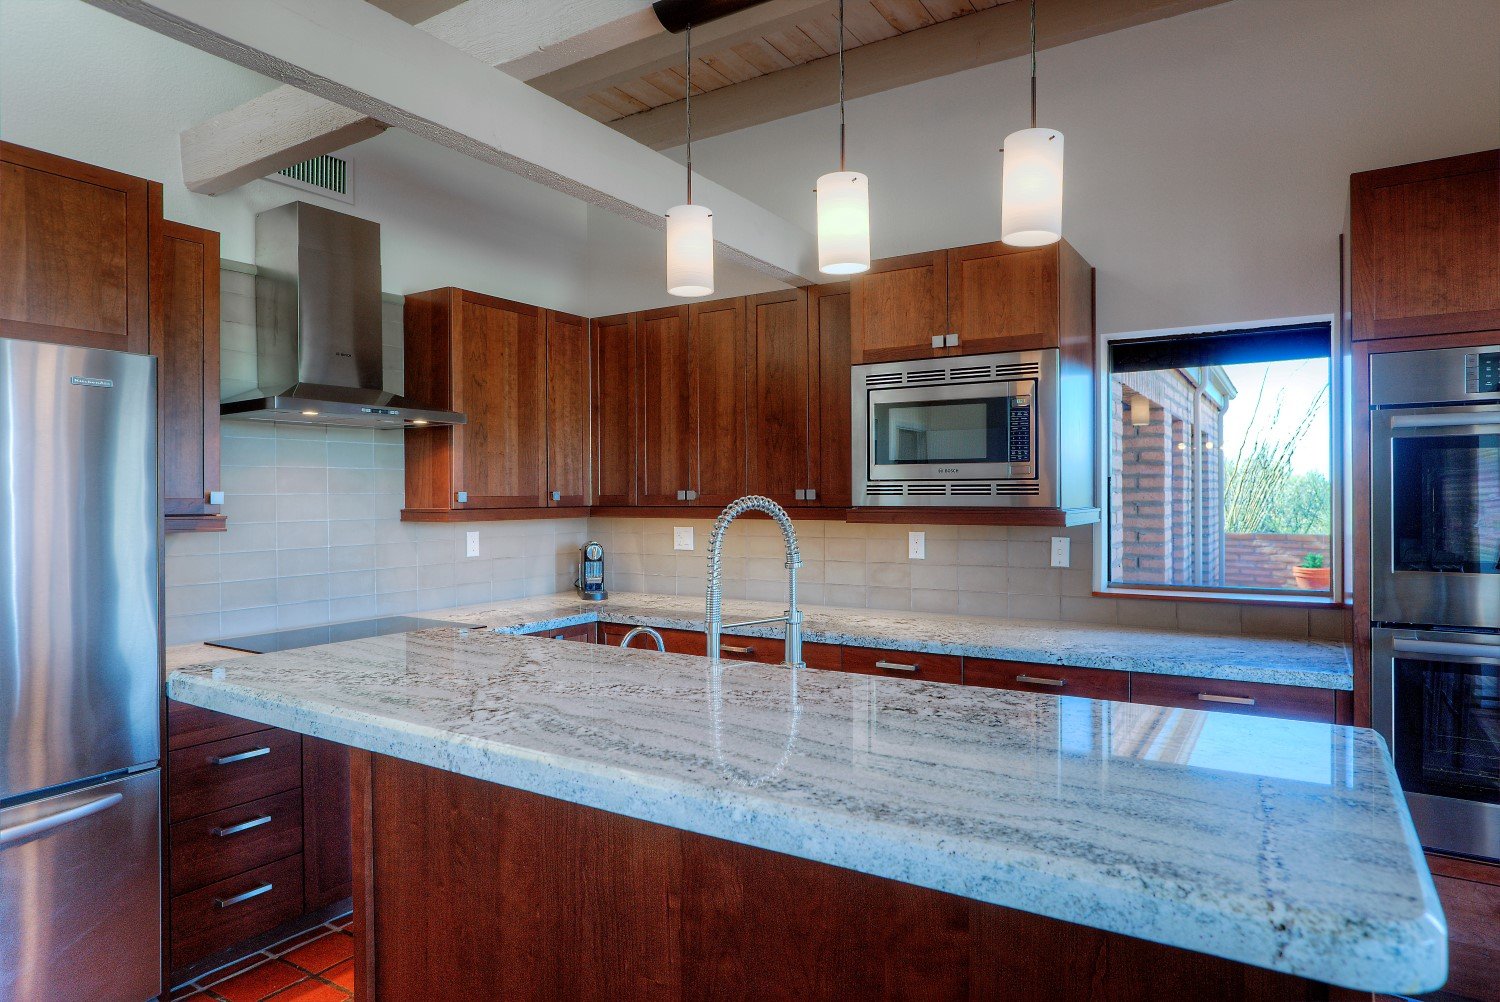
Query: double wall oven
{"type": "Point", "coordinates": [1435, 587]}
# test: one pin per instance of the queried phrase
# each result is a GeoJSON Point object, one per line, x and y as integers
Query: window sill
{"type": "Point", "coordinates": [1247, 598]}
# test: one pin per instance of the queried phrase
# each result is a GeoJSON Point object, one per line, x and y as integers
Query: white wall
{"type": "Point", "coordinates": [1208, 155]}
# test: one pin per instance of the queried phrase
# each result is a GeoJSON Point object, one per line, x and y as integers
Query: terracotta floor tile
{"type": "Point", "coordinates": [321, 954]}
{"type": "Point", "coordinates": [342, 974]}
{"type": "Point", "coordinates": [258, 982]}
{"type": "Point", "coordinates": [310, 991]}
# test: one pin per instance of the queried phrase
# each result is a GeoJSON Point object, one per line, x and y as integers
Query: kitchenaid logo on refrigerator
{"type": "Point", "coordinates": [91, 381]}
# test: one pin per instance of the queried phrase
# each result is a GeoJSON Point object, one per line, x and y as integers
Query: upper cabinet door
{"type": "Point", "coordinates": [74, 252]}
{"type": "Point", "coordinates": [779, 435]}
{"type": "Point", "coordinates": [185, 341]}
{"type": "Point", "coordinates": [828, 340]}
{"type": "Point", "coordinates": [567, 410]}
{"type": "Point", "coordinates": [1003, 298]}
{"type": "Point", "coordinates": [616, 410]}
{"type": "Point", "coordinates": [499, 361]}
{"type": "Point", "coordinates": [721, 369]}
{"type": "Point", "coordinates": [899, 308]}
{"type": "Point", "coordinates": [1425, 247]}
{"type": "Point", "coordinates": [669, 426]}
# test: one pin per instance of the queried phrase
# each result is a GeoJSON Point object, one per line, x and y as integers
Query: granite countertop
{"type": "Point", "coordinates": [1282, 844]}
{"type": "Point", "coordinates": [1320, 664]}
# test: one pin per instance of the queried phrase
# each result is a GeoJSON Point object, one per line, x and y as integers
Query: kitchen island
{"type": "Point", "coordinates": [552, 819]}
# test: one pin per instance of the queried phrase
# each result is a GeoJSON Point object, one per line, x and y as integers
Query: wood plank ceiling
{"type": "Point", "coordinates": [865, 21]}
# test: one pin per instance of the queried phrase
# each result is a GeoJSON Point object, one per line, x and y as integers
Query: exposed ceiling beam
{"type": "Point", "coordinates": [285, 126]}
{"type": "Point", "coordinates": [963, 43]}
{"type": "Point", "coordinates": [348, 52]}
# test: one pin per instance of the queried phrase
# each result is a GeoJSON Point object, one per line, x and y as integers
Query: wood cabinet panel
{"type": "Point", "coordinates": [780, 436]}
{"type": "Point", "coordinates": [500, 379]}
{"type": "Point", "coordinates": [189, 725]}
{"type": "Point", "coordinates": [829, 346]}
{"type": "Point", "coordinates": [210, 777]}
{"type": "Point", "coordinates": [567, 410]}
{"type": "Point", "coordinates": [1425, 247]}
{"type": "Point", "coordinates": [218, 845]}
{"type": "Point", "coordinates": [676, 641]}
{"type": "Point", "coordinates": [1472, 908]}
{"type": "Point", "coordinates": [616, 415]}
{"type": "Point", "coordinates": [74, 252]}
{"type": "Point", "coordinates": [1256, 698]}
{"type": "Point", "coordinates": [898, 307]}
{"type": "Point", "coordinates": [201, 926]}
{"type": "Point", "coordinates": [1053, 680]}
{"type": "Point", "coordinates": [185, 341]}
{"type": "Point", "coordinates": [903, 664]}
{"type": "Point", "coordinates": [1003, 298]}
{"type": "Point", "coordinates": [668, 444]}
{"type": "Point", "coordinates": [721, 371]}
{"type": "Point", "coordinates": [327, 861]}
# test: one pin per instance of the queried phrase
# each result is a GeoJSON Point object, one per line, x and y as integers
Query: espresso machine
{"type": "Point", "coordinates": [590, 582]}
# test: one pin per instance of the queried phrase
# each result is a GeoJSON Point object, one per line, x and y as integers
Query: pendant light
{"type": "Point", "coordinates": [843, 203]}
{"type": "Point", "coordinates": [1032, 177]}
{"type": "Point", "coordinates": [690, 228]}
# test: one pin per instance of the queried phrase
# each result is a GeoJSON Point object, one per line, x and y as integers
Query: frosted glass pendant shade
{"type": "Point", "coordinates": [690, 251]}
{"type": "Point", "coordinates": [1032, 188]}
{"type": "Point", "coordinates": [843, 223]}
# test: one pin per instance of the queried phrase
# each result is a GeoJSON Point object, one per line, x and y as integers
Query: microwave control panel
{"type": "Point", "coordinates": [1018, 442]}
{"type": "Point", "coordinates": [1482, 372]}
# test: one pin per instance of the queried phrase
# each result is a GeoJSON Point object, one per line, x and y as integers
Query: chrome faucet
{"type": "Point", "coordinates": [625, 641]}
{"type": "Point", "coordinates": [714, 613]}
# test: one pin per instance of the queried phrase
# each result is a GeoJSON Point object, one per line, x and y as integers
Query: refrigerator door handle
{"type": "Point", "coordinates": [16, 833]}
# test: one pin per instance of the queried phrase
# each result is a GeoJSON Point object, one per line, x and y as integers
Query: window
{"type": "Point", "coordinates": [1220, 455]}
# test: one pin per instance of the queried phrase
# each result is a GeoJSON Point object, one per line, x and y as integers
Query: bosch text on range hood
{"type": "Point", "coordinates": [317, 318]}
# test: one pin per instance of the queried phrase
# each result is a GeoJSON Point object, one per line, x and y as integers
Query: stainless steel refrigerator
{"type": "Point", "coordinates": [80, 797]}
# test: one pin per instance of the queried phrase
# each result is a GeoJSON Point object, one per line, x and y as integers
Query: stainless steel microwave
{"type": "Point", "coordinates": [1002, 430]}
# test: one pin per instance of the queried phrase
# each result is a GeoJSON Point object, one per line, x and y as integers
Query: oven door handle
{"type": "Point", "coordinates": [1488, 420]}
{"type": "Point", "coordinates": [1446, 649]}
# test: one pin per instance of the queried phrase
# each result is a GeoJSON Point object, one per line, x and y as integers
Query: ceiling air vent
{"type": "Point", "coordinates": [329, 176]}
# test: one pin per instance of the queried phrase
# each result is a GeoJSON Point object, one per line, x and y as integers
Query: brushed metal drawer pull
{"type": "Point", "coordinates": [243, 826]}
{"type": "Point", "coordinates": [1211, 697]}
{"type": "Point", "coordinates": [727, 649]}
{"type": "Point", "coordinates": [253, 892]}
{"type": "Point", "coordinates": [241, 756]}
{"type": "Point", "coordinates": [893, 666]}
{"type": "Point", "coordinates": [1036, 680]}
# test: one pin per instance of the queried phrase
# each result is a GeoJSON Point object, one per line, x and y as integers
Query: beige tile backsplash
{"type": "Point", "coordinates": [315, 536]}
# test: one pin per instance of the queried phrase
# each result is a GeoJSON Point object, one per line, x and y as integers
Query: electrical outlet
{"type": "Point", "coordinates": [471, 544]}
{"type": "Point", "coordinates": [1061, 545]}
{"type": "Point", "coordinates": [916, 545]}
{"type": "Point", "coordinates": [682, 537]}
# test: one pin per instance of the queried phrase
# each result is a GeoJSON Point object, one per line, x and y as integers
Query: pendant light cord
{"type": "Point", "coordinates": [1033, 63]}
{"type": "Point", "coordinates": [688, 67]}
{"type": "Point", "coordinates": [841, 84]}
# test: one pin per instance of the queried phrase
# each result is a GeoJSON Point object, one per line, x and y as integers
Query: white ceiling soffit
{"type": "Point", "coordinates": [357, 56]}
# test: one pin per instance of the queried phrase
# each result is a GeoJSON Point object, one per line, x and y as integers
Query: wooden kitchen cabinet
{"type": "Point", "coordinates": [721, 374]}
{"type": "Point", "coordinates": [616, 410]}
{"type": "Point", "coordinates": [327, 855]}
{"type": "Point", "coordinates": [899, 308]}
{"type": "Point", "coordinates": [185, 341]}
{"type": "Point", "coordinates": [75, 251]}
{"type": "Point", "coordinates": [903, 664]}
{"type": "Point", "coordinates": [828, 343]}
{"type": "Point", "coordinates": [1259, 699]}
{"type": "Point", "coordinates": [1470, 893]}
{"type": "Point", "coordinates": [567, 410]}
{"type": "Point", "coordinates": [1053, 680]}
{"type": "Point", "coordinates": [1424, 247]}
{"type": "Point", "coordinates": [780, 432]}
{"type": "Point", "coordinates": [668, 441]}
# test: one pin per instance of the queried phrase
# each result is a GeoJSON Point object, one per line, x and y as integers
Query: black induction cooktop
{"type": "Point", "coordinates": [314, 636]}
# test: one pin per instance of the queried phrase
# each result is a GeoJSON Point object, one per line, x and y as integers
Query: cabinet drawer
{"type": "Point", "coordinates": [1292, 701]}
{"type": "Point", "coordinates": [677, 641]}
{"type": "Point", "coordinates": [218, 916]}
{"type": "Point", "coordinates": [1055, 680]}
{"type": "Point", "coordinates": [236, 839]}
{"type": "Point", "coordinates": [584, 633]}
{"type": "Point", "coordinates": [189, 725]}
{"type": "Point", "coordinates": [772, 651]}
{"type": "Point", "coordinates": [903, 664]}
{"type": "Point", "coordinates": [213, 776]}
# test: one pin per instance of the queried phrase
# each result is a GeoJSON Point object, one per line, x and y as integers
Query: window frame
{"type": "Point", "coordinates": [1340, 457]}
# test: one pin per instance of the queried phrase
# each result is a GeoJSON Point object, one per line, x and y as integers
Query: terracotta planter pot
{"type": "Point", "coordinates": [1313, 578]}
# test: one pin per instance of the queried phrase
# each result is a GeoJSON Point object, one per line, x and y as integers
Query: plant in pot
{"type": "Point", "coordinates": [1313, 574]}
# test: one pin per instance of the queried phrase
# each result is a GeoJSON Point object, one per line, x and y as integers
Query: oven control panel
{"type": "Point", "coordinates": [1018, 443]}
{"type": "Point", "coordinates": [1482, 372]}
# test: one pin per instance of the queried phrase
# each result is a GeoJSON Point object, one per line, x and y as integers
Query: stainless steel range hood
{"type": "Point", "coordinates": [317, 318]}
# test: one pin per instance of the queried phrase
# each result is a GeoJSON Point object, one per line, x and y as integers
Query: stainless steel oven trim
{"type": "Point", "coordinates": [954, 391]}
{"type": "Point", "coordinates": [1428, 598]}
{"type": "Point", "coordinates": [1447, 824]}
